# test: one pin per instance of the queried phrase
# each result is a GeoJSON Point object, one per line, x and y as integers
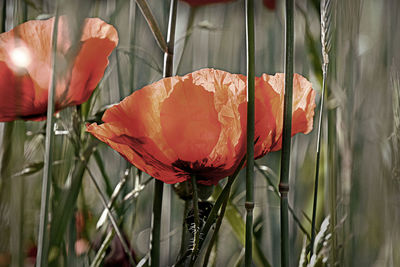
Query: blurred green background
{"type": "Point", "coordinates": [360, 164]}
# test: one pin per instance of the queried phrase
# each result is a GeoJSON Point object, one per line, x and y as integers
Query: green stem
{"type": "Point", "coordinates": [42, 252]}
{"type": "Point", "coordinates": [318, 156]}
{"type": "Point", "coordinates": [286, 134]}
{"type": "Point", "coordinates": [158, 188]}
{"type": "Point", "coordinates": [216, 230]}
{"type": "Point", "coordinates": [249, 205]}
{"type": "Point", "coordinates": [125, 246]}
{"type": "Point", "coordinates": [196, 221]}
{"type": "Point", "coordinates": [156, 224]}
{"type": "Point", "coordinates": [169, 53]}
{"type": "Point", "coordinates": [65, 209]}
{"type": "Point", "coordinates": [218, 203]}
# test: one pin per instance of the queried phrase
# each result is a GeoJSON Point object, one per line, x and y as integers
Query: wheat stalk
{"type": "Point", "coordinates": [326, 45]}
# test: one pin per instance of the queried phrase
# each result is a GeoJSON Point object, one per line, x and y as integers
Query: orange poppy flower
{"type": "Point", "coordinates": [25, 66]}
{"type": "Point", "coordinates": [196, 124]}
{"type": "Point", "coordinates": [204, 2]}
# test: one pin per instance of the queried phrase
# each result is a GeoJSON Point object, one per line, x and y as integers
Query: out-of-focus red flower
{"type": "Point", "coordinates": [25, 66]}
{"type": "Point", "coordinates": [196, 124]}
{"type": "Point", "coordinates": [270, 4]}
{"type": "Point", "coordinates": [204, 2]}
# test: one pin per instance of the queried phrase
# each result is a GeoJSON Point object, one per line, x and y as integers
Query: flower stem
{"type": "Point", "coordinates": [249, 205]}
{"type": "Point", "coordinates": [196, 221]}
{"type": "Point", "coordinates": [42, 252]}
{"type": "Point", "coordinates": [156, 224]}
{"type": "Point", "coordinates": [216, 230]}
{"type": "Point", "coordinates": [218, 203]}
{"type": "Point", "coordinates": [159, 185]}
{"type": "Point", "coordinates": [286, 134]}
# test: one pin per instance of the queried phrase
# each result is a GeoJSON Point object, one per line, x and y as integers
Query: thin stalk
{"type": "Point", "coordinates": [286, 134]}
{"type": "Point", "coordinates": [117, 190]}
{"type": "Point", "coordinates": [215, 233]}
{"type": "Point", "coordinates": [196, 240]}
{"type": "Point", "coordinates": [101, 253]}
{"type": "Point", "coordinates": [318, 156]}
{"type": "Point", "coordinates": [169, 53]}
{"type": "Point", "coordinates": [151, 21]}
{"type": "Point", "coordinates": [156, 224]}
{"type": "Point", "coordinates": [325, 45]}
{"type": "Point", "coordinates": [42, 252]}
{"type": "Point", "coordinates": [4, 16]}
{"type": "Point", "coordinates": [249, 204]}
{"type": "Point", "coordinates": [132, 34]}
{"type": "Point", "coordinates": [158, 188]}
{"type": "Point", "coordinates": [112, 219]}
{"type": "Point", "coordinates": [218, 203]}
{"type": "Point", "coordinates": [65, 209]}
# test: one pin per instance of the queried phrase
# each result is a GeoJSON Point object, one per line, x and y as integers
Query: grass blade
{"type": "Point", "coordinates": [286, 134]}
{"type": "Point", "coordinates": [112, 219]}
{"type": "Point", "coordinates": [65, 209]}
{"type": "Point", "coordinates": [249, 205]}
{"type": "Point", "coordinates": [151, 21]}
{"type": "Point", "coordinates": [42, 252]}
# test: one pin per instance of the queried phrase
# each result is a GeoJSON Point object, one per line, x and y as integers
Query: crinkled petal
{"type": "Point", "coordinates": [181, 126]}
{"type": "Point", "coordinates": [302, 109]}
{"type": "Point", "coordinates": [76, 80]}
{"type": "Point", "coordinates": [16, 94]}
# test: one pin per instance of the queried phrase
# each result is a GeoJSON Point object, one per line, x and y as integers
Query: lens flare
{"type": "Point", "coordinates": [20, 57]}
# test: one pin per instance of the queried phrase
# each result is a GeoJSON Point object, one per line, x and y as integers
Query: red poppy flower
{"type": "Point", "coordinates": [204, 2]}
{"type": "Point", "coordinates": [270, 4]}
{"type": "Point", "coordinates": [196, 124]}
{"type": "Point", "coordinates": [25, 66]}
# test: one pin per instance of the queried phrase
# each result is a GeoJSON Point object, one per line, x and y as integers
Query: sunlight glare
{"type": "Point", "coordinates": [20, 57]}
